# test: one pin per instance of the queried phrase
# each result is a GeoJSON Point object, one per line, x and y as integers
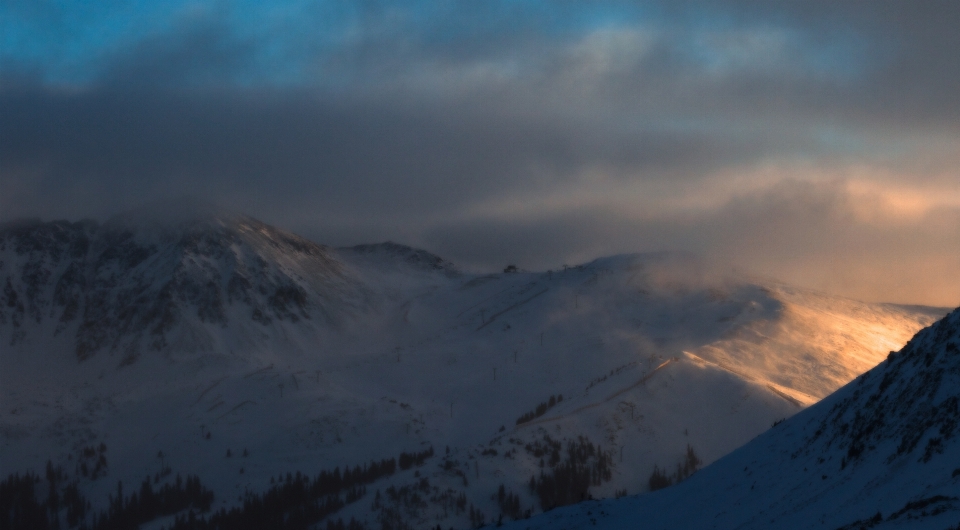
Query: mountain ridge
{"type": "Point", "coordinates": [626, 361]}
{"type": "Point", "coordinates": [126, 288]}
{"type": "Point", "coordinates": [878, 453]}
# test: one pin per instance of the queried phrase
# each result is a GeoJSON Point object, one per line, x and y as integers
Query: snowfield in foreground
{"type": "Point", "coordinates": [224, 348]}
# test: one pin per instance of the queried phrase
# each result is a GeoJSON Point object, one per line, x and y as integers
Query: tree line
{"type": "Point", "coordinates": [567, 482]}
{"type": "Point", "coordinates": [408, 460]}
{"type": "Point", "coordinates": [147, 504]}
{"type": "Point", "coordinates": [288, 505]}
{"type": "Point", "coordinates": [298, 502]}
{"type": "Point", "coordinates": [509, 503]}
{"type": "Point", "coordinates": [294, 501]}
{"type": "Point", "coordinates": [689, 465]}
{"type": "Point", "coordinates": [541, 409]}
{"type": "Point", "coordinates": [20, 506]}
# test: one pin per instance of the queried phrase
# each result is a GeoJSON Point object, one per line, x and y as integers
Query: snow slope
{"type": "Point", "coordinates": [215, 334]}
{"type": "Point", "coordinates": [136, 284]}
{"type": "Point", "coordinates": [882, 452]}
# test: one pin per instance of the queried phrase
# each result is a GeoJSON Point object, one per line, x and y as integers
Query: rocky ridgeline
{"type": "Point", "coordinates": [133, 285]}
{"type": "Point", "coordinates": [909, 405]}
{"type": "Point", "coordinates": [393, 253]}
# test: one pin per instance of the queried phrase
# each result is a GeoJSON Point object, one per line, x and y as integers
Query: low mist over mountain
{"type": "Point", "coordinates": [258, 362]}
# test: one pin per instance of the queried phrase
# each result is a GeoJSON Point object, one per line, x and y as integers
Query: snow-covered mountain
{"type": "Point", "coordinates": [190, 285]}
{"type": "Point", "coordinates": [218, 346]}
{"type": "Point", "coordinates": [882, 452]}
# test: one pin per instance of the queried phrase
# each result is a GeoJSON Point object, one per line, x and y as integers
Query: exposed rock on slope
{"type": "Point", "coordinates": [394, 255]}
{"type": "Point", "coordinates": [135, 285]}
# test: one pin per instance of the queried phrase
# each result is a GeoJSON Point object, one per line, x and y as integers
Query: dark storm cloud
{"type": "Point", "coordinates": [115, 145]}
{"type": "Point", "coordinates": [910, 72]}
{"type": "Point", "coordinates": [431, 122]}
{"type": "Point", "coordinates": [202, 51]}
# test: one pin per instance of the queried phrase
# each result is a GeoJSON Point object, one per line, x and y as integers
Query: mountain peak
{"type": "Point", "coordinates": [174, 212]}
{"type": "Point", "coordinates": [393, 253]}
{"type": "Point", "coordinates": [169, 276]}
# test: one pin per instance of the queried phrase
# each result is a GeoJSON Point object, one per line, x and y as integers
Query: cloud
{"type": "Point", "coordinates": [776, 135]}
{"type": "Point", "coordinates": [813, 234]}
{"type": "Point", "coordinates": [390, 157]}
{"type": "Point", "coordinates": [202, 51]}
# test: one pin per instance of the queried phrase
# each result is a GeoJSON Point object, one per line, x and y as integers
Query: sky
{"type": "Point", "coordinates": [817, 142]}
